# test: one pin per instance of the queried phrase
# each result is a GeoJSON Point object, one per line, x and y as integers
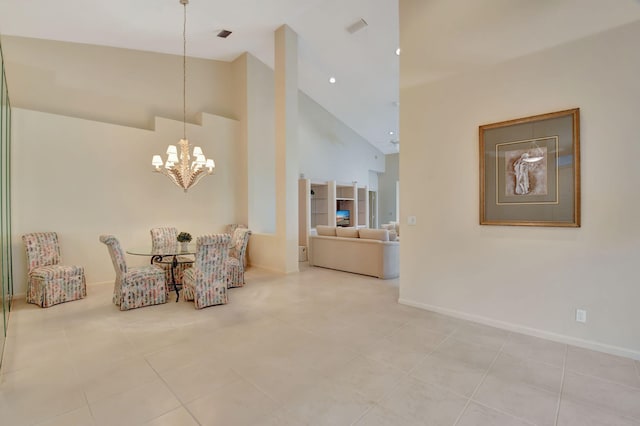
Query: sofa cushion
{"type": "Point", "coordinates": [347, 232]}
{"type": "Point", "coordinates": [374, 234]}
{"type": "Point", "coordinates": [327, 231]}
{"type": "Point", "coordinates": [393, 236]}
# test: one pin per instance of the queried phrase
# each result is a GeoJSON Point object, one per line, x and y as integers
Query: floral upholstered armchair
{"type": "Point", "coordinates": [168, 236]}
{"type": "Point", "coordinates": [134, 287]}
{"type": "Point", "coordinates": [50, 283]}
{"type": "Point", "coordinates": [235, 262]}
{"type": "Point", "coordinates": [230, 230]}
{"type": "Point", "coordinates": [164, 236]}
{"type": "Point", "coordinates": [233, 226]}
{"type": "Point", "coordinates": [205, 283]}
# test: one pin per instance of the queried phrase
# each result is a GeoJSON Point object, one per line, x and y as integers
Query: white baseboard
{"type": "Point", "coordinates": [19, 296]}
{"type": "Point", "coordinates": [561, 338]}
{"type": "Point", "coordinates": [269, 269]}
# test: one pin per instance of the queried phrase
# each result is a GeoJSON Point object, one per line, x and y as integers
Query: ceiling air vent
{"type": "Point", "coordinates": [224, 33]}
{"type": "Point", "coordinates": [357, 26]}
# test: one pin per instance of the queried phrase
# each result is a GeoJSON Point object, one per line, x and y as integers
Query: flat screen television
{"type": "Point", "coordinates": [343, 218]}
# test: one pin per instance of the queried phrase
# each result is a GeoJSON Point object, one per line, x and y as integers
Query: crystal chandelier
{"type": "Point", "coordinates": [178, 169]}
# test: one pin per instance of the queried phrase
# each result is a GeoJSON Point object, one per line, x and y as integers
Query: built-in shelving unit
{"type": "Point", "coordinates": [345, 192]}
{"type": "Point", "coordinates": [319, 193]}
{"type": "Point", "coordinates": [345, 202]}
{"type": "Point", "coordinates": [320, 201]}
{"type": "Point", "coordinates": [362, 197]}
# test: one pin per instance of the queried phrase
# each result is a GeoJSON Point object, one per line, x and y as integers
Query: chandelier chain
{"type": "Point", "coordinates": [184, 73]}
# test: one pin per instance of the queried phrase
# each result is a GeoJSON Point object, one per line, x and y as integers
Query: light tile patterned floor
{"type": "Point", "coordinates": [315, 348]}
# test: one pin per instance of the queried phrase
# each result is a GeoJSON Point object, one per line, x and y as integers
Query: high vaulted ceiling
{"type": "Point", "coordinates": [364, 64]}
{"type": "Point", "coordinates": [449, 36]}
{"type": "Point", "coordinates": [452, 36]}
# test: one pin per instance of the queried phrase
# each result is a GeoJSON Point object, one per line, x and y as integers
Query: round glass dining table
{"type": "Point", "coordinates": [173, 255]}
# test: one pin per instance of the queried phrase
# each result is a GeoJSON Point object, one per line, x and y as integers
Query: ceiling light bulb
{"type": "Point", "coordinates": [332, 80]}
{"type": "Point", "coordinates": [391, 133]}
{"type": "Point", "coordinates": [398, 51]}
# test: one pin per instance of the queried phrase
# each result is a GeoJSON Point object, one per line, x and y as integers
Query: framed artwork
{"type": "Point", "coordinates": [530, 171]}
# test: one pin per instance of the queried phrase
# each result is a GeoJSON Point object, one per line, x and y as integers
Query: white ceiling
{"type": "Point", "coordinates": [445, 36]}
{"type": "Point", "coordinates": [451, 36]}
{"type": "Point", "coordinates": [364, 64]}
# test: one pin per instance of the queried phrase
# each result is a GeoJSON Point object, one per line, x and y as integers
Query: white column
{"type": "Point", "coordinates": [287, 168]}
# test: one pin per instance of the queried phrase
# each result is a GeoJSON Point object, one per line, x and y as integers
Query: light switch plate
{"type": "Point", "coordinates": [411, 220]}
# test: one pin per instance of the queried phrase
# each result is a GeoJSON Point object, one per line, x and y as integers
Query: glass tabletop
{"type": "Point", "coordinates": [172, 250]}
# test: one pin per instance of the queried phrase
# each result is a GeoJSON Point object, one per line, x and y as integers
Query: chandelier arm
{"type": "Point", "coordinates": [196, 178]}
{"type": "Point", "coordinates": [177, 178]}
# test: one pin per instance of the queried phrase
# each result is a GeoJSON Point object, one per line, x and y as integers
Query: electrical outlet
{"type": "Point", "coordinates": [411, 220]}
{"type": "Point", "coordinates": [581, 315]}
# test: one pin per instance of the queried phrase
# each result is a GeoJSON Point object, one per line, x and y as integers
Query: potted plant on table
{"type": "Point", "coordinates": [184, 238]}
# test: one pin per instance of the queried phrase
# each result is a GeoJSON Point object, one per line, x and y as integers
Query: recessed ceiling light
{"type": "Point", "coordinates": [391, 133]}
{"type": "Point", "coordinates": [332, 80]}
{"type": "Point", "coordinates": [398, 51]}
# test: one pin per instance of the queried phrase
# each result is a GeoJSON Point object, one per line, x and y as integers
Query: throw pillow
{"type": "Point", "coordinates": [350, 232]}
{"type": "Point", "coordinates": [327, 231]}
{"type": "Point", "coordinates": [374, 234]}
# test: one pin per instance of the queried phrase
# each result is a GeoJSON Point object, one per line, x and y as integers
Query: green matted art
{"type": "Point", "coordinates": [530, 171]}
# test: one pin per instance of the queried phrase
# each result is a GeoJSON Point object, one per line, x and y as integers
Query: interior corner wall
{"type": "Point", "coordinates": [387, 189]}
{"type": "Point", "coordinates": [83, 178]}
{"type": "Point", "coordinates": [261, 134]}
{"type": "Point", "coordinates": [239, 66]}
{"type": "Point", "coordinates": [530, 279]}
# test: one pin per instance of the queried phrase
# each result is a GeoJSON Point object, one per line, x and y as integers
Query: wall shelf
{"type": "Point", "coordinates": [319, 201]}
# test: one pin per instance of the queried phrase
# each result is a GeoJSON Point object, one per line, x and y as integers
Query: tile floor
{"type": "Point", "coordinates": [318, 348]}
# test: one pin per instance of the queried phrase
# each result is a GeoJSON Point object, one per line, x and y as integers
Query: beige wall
{"type": "Point", "coordinates": [83, 84]}
{"type": "Point", "coordinates": [261, 146]}
{"type": "Point", "coordinates": [113, 85]}
{"type": "Point", "coordinates": [387, 183]}
{"type": "Point", "coordinates": [84, 178]}
{"type": "Point", "coordinates": [100, 106]}
{"type": "Point", "coordinates": [527, 278]}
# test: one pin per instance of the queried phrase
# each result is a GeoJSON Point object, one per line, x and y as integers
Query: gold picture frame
{"type": "Point", "coordinates": [530, 171]}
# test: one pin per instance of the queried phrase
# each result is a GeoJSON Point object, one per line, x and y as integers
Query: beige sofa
{"type": "Point", "coordinates": [361, 251]}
